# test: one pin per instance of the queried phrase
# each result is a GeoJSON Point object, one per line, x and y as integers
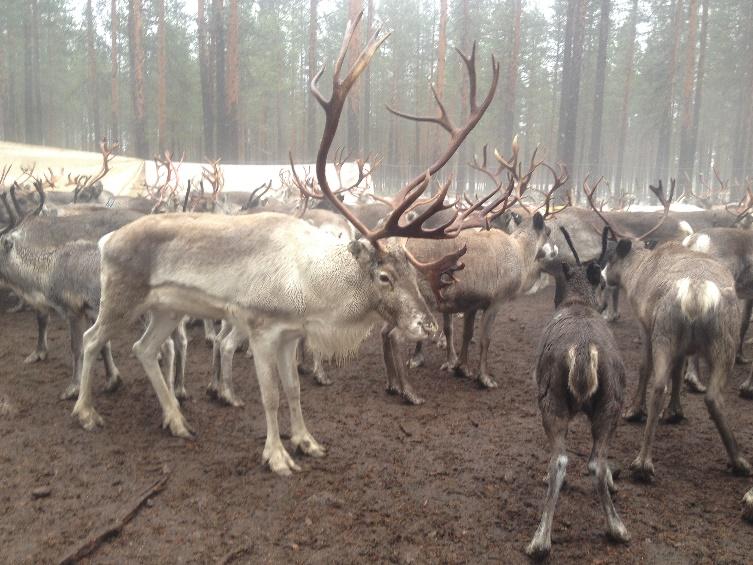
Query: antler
{"type": "Point", "coordinates": [589, 192]}
{"type": "Point", "coordinates": [215, 177]}
{"type": "Point", "coordinates": [666, 202]}
{"type": "Point", "coordinates": [4, 174]}
{"type": "Point", "coordinates": [409, 194]}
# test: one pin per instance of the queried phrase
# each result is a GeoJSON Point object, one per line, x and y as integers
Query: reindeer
{"type": "Point", "coordinates": [686, 304]}
{"type": "Point", "coordinates": [291, 282]}
{"type": "Point", "coordinates": [734, 249]}
{"type": "Point", "coordinates": [578, 369]}
{"type": "Point", "coordinates": [36, 265]}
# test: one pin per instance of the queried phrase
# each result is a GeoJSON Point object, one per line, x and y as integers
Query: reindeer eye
{"type": "Point", "coordinates": [383, 277]}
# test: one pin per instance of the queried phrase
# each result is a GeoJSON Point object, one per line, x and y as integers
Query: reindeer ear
{"type": "Point", "coordinates": [623, 247]}
{"type": "Point", "coordinates": [538, 221]}
{"type": "Point", "coordinates": [362, 251]}
{"type": "Point", "coordinates": [593, 273]}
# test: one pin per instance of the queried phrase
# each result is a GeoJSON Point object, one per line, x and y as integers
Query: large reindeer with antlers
{"type": "Point", "coordinates": [276, 278]}
{"type": "Point", "coordinates": [686, 304]}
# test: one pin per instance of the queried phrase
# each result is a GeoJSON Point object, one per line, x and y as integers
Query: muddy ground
{"type": "Point", "coordinates": [457, 480]}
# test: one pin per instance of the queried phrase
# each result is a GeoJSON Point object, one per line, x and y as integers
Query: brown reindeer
{"type": "Point", "coordinates": [686, 304]}
{"type": "Point", "coordinates": [579, 369]}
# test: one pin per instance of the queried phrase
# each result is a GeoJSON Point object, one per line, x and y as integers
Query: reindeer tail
{"type": "Point", "coordinates": [583, 377]}
{"type": "Point", "coordinates": [697, 298]}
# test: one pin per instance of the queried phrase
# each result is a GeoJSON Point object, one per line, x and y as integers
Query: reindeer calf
{"type": "Point", "coordinates": [579, 369]}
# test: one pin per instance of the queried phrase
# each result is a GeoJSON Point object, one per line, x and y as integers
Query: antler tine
{"type": "Point", "coordinates": [666, 202]}
{"type": "Point", "coordinates": [4, 173]}
{"type": "Point", "coordinates": [302, 185]}
{"type": "Point", "coordinates": [16, 205]}
{"type": "Point", "coordinates": [559, 181]}
{"type": "Point", "coordinates": [589, 192]}
{"type": "Point", "coordinates": [42, 197]}
{"type": "Point", "coordinates": [457, 134]}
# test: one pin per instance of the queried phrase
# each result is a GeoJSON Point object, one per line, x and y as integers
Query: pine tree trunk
{"type": "Point", "coordinates": [687, 153]}
{"type": "Point", "coordinates": [465, 45]}
{"type": "Point", "coordinates": [218, 46]}
{"type": "Point", "coordinates": [626, 93]}
{"type": "Point", "coordinates": [311, 104]}
{"type": "Point", "coordinates": [92, 89]}
{"type": "Point", "coordinates": [693, 138]}
{"type": "Point", "coordinates": [594, 156]}
{"type": "Point", "coordinates": [136, 48]}
{"type": "Point", "coordinates": [665, 128]}
{"type": "Point", "coordinates": [571, 70]}
{"type": "Point", "coordinates": [162, 142]}
{"type": "Point", "coordinates": [442, 48]}
{"type": "Point", "coordinates": [114, 71]}
{"type": "Point", "coordinates": [233, 84]}
{"type": "Point", "coordinates": [4, 130]}
{"type": "Point", "coordinates": [37, 74]}
{"type": "Point", "coordinates": [206, 77]}
{"type": "Point", "coordinates": [509, 122]}
{"type": "Point", "coordinates": [29, 114]}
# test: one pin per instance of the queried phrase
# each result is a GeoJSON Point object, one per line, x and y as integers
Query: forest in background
{"type": "Point", "coordinates": [635, 90]}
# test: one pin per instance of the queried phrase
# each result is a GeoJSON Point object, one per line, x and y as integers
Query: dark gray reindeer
{"type": "Point", "coordinates": [686, 304]}
{"type": "Point", "coordinates": [579, 369]}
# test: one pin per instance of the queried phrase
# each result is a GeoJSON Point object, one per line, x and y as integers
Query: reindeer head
{"type": "Point", "coordinates": [575, 283]}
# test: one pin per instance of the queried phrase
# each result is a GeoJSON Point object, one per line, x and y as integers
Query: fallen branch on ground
{"type": "Point", "coordinates": [88, 546]}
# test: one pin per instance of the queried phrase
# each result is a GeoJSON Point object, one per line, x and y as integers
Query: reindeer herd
{"type": "Point", "coordinates": [312, 278]}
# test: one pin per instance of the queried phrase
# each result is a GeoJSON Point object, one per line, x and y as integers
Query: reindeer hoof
{"type": "Point", "coordinates": [746, 392]}
{"type": "Point", "coordinates": [391, 389]}
{"type": "Point", "coordinates": [36, 356]}
{"type": "Point", "coordinates": [486, 381]}
{"type": "Point", "coordinates": [740, 467]}
{"type": "Point", "coordinates": [88, 418]}
{"type": "Point", "coordinates": [634, 415]}
{"type": "Point", "coordinates": [322, 379]}
{"type": "Point", "coordinates": [309, 446]}
{"type": "Point", "coordinates": [181, 393]}
{"type": "Point", "coordinates": [229, 399]}
{"type": "Point", "coordinates": [178, 425]}
{"type": "Point", "coordinates": [461, 371]}
{"type": "Point", "coordinates": [642, 471]}
{"type": "Point", "coordinates": [412, 398]}
{"type": "Point", "coordinates": [618, 533]}
{"type": "Point", "coordinates": [70, 393]}
{"type": "Point", "coordinates": [113, 383]}
{"type": "Point", "coordinates": [279, 461]}
{"type": "Point", "coordinates": [415, 362]}
{"type": "Point", "coordinates": [448, 366]}
{"type": "Point", "coordinates": [672, 416]}
{"type": "Point", "coordinates": [537, 550]}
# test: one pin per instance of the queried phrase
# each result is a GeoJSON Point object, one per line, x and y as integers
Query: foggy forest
{"type": "Point", "coordinates": [634, 90]}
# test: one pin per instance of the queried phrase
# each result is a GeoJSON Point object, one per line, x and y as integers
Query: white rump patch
{"type": "Point", "coordinates": [702, 243]}
{"type": "Point", "coordinates": [711, 295]}
{"type": "Point", "coordinates": [103, 240]}
{"type": "Point", "coordinates": [591, 376]}
{"type": "Point", "coordinates": [685, 228]}
{"type": "Point", "coordinates": [699, 299]}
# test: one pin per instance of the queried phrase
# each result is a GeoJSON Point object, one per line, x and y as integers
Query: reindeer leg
{"type": "Point", "coordinates": [76, 326]}
{"type": "Point", "coordinates": [556, 429]}
{"type": "Point", "coordinates": [266, 347]}
{"type": "Point", "coordinates": [180, 339]}
{"type": "Point", "coordinates": [673, 413]}
{"type": "Point", "coordinates": [161, 325]}
{"type": "Point", "coordinates": [210, 332]}
{"type": "Point", "coordinates": [213, 387]}
{"type": "Point", "coordinates": [388, 355]}
{"type": "Point", "coordinates": [603, 425]}
{"type": "Point", "coordinates": [721, 364]}
{"type": "Point", "coordinates": [746, 389]}
{"type": "Point", "coordinates": [637, 410]}
{"type": "Point", "coordinates": [40, 354]}
{"type": "Point", "coordinates": [642, 468]}
{"type": "Point", "coordinates": [228, 347]}
{"type": "Point", "coordinates": [447, 331]}
{"type": "Point", "coordinates": [485, 378]}
{"type": "Point", "coordinates": [18, 307]}
{"type": "Point", "coordinates": [406, 389]}
{"type": "Point", "coordinates": [113, 380]}
{"type": "Point", "coordinates": [747, 310]}
{"type": "Point", "coordinates": [417, 359]}
{"type": "Point", "coordinates": [299, 434]}
{"type": "Point", "coordinates": [320, 375]}
{"type": "Point", "coordinates": [461, 365]}
{"type": "Point", "coordinates": [692, 375]}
